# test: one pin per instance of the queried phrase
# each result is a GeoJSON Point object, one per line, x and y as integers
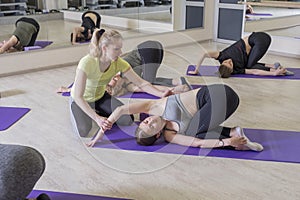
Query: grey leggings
{"type": "Point", "coordinates": [20, 169]}
{"type": "Point", "coordinates": [103, 107]}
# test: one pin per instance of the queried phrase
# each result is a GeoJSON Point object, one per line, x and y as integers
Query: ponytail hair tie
{"type": "Point", "coordinates": [100, 33]}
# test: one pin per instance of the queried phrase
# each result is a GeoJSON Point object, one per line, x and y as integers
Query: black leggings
{"type": "Point", "coordinates": [215, 104]}
{"type": "Point", "coordinates": [97, 25]}
{"type": "Point", "coordinates": [259, 42]}
{"type": "Point", "coordinates": [103, 107]}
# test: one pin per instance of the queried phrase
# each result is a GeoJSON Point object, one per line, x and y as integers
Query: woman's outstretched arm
{"type": "Point", "coordinates": [133, 108]}
{"type": "Point", "coordinates": [145, 85]}
{"type": "Point", "coordinates": [272, 72]}
{"type": "Point", "coordinates": [7, 45]}
{"type": "Point", "coordinates": [213, 54]}
{"type": "Point", "coordinates": [190, 141]}
{"type": "Point", "coordinates": [76, 30]}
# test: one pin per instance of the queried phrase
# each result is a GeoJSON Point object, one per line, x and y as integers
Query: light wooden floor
{"type": "Point", "coordinates": [71, 167]}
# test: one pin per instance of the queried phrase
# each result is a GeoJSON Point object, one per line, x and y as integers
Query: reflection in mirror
{"type": "Point", "coordinates": [277, 18]}
{"type": "Point", "coordinates": [54, 28]}
{"type": "Point", "coordinates": [150, 10]}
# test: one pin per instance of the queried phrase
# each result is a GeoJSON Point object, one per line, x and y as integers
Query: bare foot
{"type": "Point", "coordinates": [195, 72]}
{"type": "Point", "coordinates": [254, 146]}
{"type": "Point", "coordinates": [63, 89]}
{"type": "Point", "coordinates": [180, 88]}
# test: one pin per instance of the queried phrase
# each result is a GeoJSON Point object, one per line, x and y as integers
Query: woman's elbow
{"type": "Point", "coordinates": [77, 97]}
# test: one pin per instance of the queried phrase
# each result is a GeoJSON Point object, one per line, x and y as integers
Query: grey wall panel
{"type": "Point", "coordinates": [194, 17]}
{"type": "Point", "coordinates": [229, 1]}
{"type": "Point", "coordinates": [230, 24]}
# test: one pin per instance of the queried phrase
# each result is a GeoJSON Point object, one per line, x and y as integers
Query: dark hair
{"type": "Point", "coordinates": [142, 139]}
{"type": "Point", "coordinates": [224, 71]}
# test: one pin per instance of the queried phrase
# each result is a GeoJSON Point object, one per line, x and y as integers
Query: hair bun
{"type": "Point", "coordinates": [100, 32]}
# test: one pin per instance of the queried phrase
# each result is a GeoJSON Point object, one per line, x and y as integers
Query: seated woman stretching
{"type": "Point", "coordinates": [242, 58]}
{"type": "Point", "coordinates": [145, 60]}
{"type": "Point", "coordinates": [24, 35]}
{"type": "Point", "coordinates": [89, 101]}
{"type": "Point", "coordinates": [90, 21]}
{"type": "Point", "coordinates": [185, 122]}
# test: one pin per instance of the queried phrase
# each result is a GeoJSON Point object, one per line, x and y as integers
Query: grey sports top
{"type": "Point", "coordinates": [175, 111]}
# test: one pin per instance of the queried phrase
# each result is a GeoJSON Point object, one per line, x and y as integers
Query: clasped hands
{"type": "Point", "coordinates": [104, 125]}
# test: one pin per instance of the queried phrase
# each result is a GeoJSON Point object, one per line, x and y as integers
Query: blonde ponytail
{"type": "Point", "coordinates": [101, 37]}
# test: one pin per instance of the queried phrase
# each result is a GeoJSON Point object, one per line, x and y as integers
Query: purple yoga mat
{"type": "Point", "coordinates": [10, 115]}
{"type": "Point", "coordinates": [69, 196]}
{"type": "Point", "coordinates": [67, 94]}
{"type": "Point", "coordinates": [38, 45]}
{"type": "Point", "coordinates": [42, 44]}
{"type": "Point", "coordinates": [280, 146]}
{"type": "Point", "coordinates": [260, 14]}
{"type": "Point", "coordinates": [212, 71]}
{"type": "Point", "coordinates": [139, 95]}
{"type": "Point", "coordinates": [30, 48]}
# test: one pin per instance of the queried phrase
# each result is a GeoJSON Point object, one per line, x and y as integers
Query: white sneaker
{"type": "Point", "coordinates": [254, 146]}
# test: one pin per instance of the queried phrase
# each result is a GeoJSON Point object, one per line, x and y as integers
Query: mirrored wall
{"type": "Point", "coordinates": [279, 18]}
{"type": "Point", "coordinates": [56, 29]}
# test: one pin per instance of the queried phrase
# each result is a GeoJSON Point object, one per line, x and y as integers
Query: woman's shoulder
{"type": "Point", "coordinates": [121, 63]}
{"type": "Point", "coordinates": [88, 58]}
{"type": "Point", "coordinates": [87, 61]}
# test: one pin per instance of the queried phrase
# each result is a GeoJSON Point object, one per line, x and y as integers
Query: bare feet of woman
{"type": "Point", "coordinates": [63, 89]}
{"type": "Point", "coordinates": [180, 88]}
{"type": "Point", "coordinates": [254, 146]}
{"type": "Point", "coordinates": [195, 72]}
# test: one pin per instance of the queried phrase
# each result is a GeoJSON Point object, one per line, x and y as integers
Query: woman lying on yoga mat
{"type": "Point", "coordinates": [242, 58]}
{"type": "Point", "coordinates": [20, 168]}
{"type": "Point", "coordinates": [185, 122]}
{"type": "Point", "coordinates": [24, 35]}
{"type": "Point", "coordinates": [90, 21]}
{"type": "Point", "coordinates": [89, 100]}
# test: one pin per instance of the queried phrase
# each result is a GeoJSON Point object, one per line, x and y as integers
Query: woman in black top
{"type": "Point", "coordinates": [242, 58]}
{"type": "Point", "coordinates": [90, 21]}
